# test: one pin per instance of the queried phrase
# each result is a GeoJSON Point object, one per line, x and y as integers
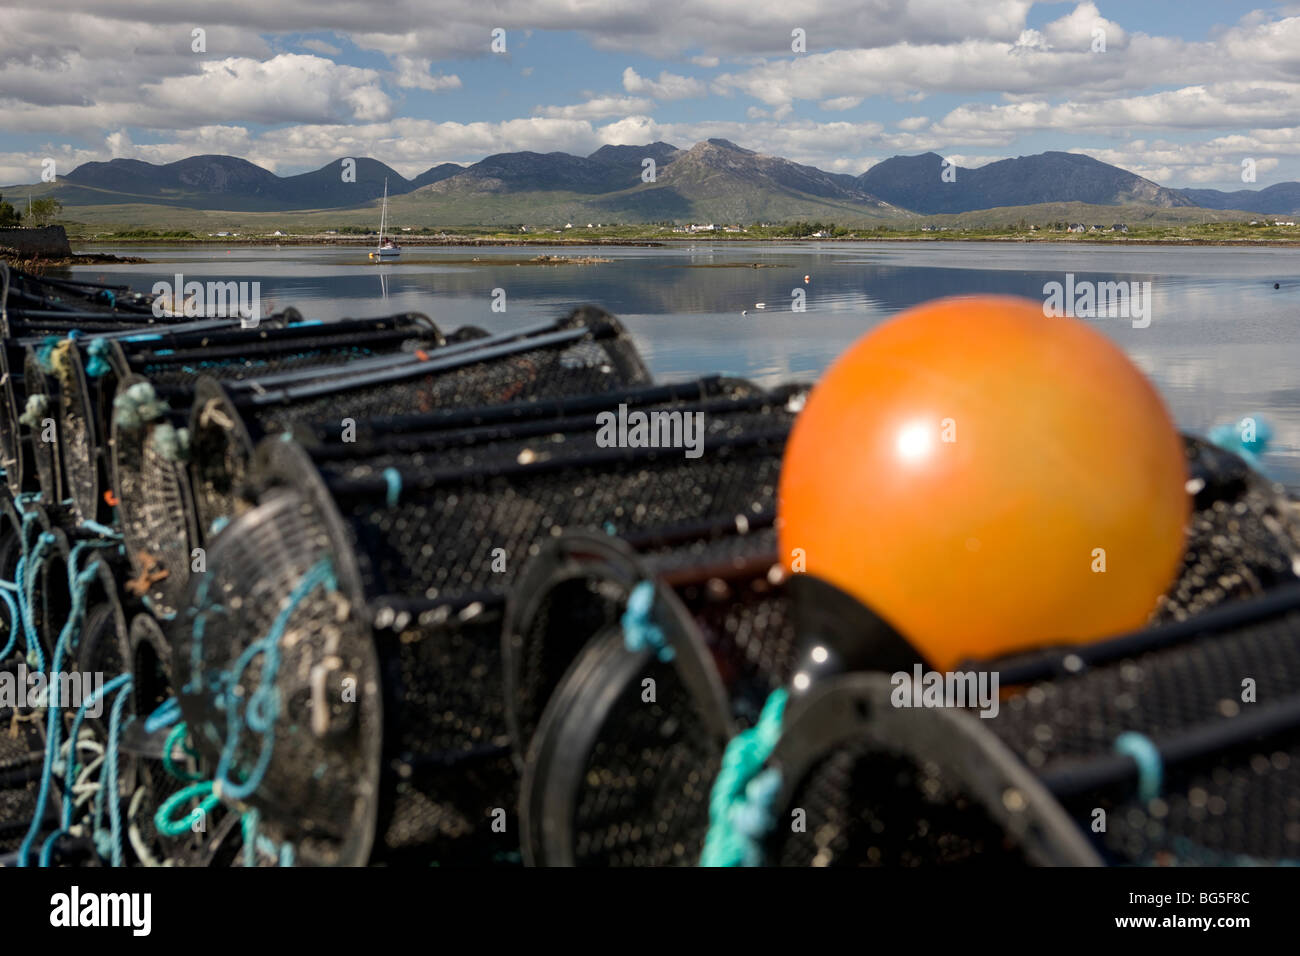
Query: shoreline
{"type": "Point", "coordinates": [477, 241]}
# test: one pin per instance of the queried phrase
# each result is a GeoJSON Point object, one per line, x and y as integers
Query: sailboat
{"type": "Point", "coordinates": [387, 249]}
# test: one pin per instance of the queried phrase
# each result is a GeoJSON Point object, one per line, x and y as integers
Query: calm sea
{"type": "Point", "coordinates": [1222, 342]}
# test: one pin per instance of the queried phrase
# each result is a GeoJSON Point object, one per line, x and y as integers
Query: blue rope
{"type": "Point", "coordinates": [97, 358]}
{"type": "Point", "coordinates": [263, 704]}
{"type": "Point", "coordinates": [168, 712]}
{"type": "Point", "coordinates": [45, 353]}
{"type": "Point", "coordinates": [1233, 438]}
{"type": "Point", "coordinates": [1150, 765]}
{"type": "Point", "coordinates": [29, 566]}
{"type": "Point", "coordinates": [740, 806]}
{"type": "Point", "coordinates": [70, 777]}
{"type": "Point", "coordinates": [394, 479]}
{"type": "Point", "coordinates": [103, 530]}
{"type": "Point", "coordinates": [110, 774]}
{"type": "Point", "coordinates": [640, 632]}
{"type": "Point", "coordinates": [78, 582]}
{"type": "Point", "coordinates": [254, 841]}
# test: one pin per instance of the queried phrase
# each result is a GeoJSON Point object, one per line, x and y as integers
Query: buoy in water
{"type": "Point", "coordinates": [987, 480]}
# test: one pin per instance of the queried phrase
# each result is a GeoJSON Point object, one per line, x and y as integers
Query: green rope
{"type": "Point", "coordinates": [173, 738]}
{"type": "Point", "coordinates": [740, 804]}
{"type": "Point", "coordinates": [168, 826]}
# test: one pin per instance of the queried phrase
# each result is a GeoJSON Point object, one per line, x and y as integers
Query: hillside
{"type": "Point", "coordinates": [712, 181]}
{"type": "Point", "coordinates": [917, 183]}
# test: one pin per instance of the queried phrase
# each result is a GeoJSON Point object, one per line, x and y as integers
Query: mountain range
{"type": "Point", "coordinates": [714, 180]}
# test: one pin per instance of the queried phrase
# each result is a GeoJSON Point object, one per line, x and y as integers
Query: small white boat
{"type": "Point", "coordinates": [387, 249]}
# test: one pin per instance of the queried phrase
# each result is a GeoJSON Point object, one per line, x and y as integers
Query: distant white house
{"type": "Point", "coordinates": [1077, 227]}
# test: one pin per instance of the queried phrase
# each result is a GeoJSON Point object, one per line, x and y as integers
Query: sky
{"type": "Point", "coordinates": [1183, 92]}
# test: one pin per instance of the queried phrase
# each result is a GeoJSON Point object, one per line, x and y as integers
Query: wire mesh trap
{"type": "Point", "coordinates": [150, 441]}
{"type": "Point", "coordinates": [626, 675]}
{"type": "Point", "coordinates": [174, 358]}
{"type": "Point", "coordinates": [1175, 745]}
{"type": "Point", "coordinates": [399, 561]}
{"type": "Point", "coordinates": [37, 310]}
{"type": "Point", "coordinates": [158, 765]}
{"type": "Point", "coordinates": [585, 352]}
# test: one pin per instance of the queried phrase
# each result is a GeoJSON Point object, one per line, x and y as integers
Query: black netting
{"type": "Point", "coordinates": [643, 791]}
{"type": "Point", "coordinates": [173, 361]}
{"type": "Point", "coordinates": [1243, 539]}
{"type": "Point", "coordinates": [586, 353]}
{"type": "Point", "coordinates": [625, 780]}
{"type": "Point", "coordinates": [151, 480]}
{"type": "Point", "coordinates": [868, 807]}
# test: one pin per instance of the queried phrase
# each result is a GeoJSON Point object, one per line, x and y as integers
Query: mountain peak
{"type": "Point", "coordinates": [727, 144]}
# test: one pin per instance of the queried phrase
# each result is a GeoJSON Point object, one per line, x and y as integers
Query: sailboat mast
{"type": "Point", "coordinates": [383, 215]}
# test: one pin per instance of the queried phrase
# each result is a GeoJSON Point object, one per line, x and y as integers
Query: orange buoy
{"type": "Point", "coordinates": [987, 480]}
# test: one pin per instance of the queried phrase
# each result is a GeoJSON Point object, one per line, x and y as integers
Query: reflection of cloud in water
{"type": "Point", "coordinates": [1222, 342]}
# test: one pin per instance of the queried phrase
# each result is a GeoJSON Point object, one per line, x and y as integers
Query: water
{"type": "Point", "coordinates": [1222, 342]}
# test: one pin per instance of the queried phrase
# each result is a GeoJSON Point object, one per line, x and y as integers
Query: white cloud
{"type": "Point", "coordinates": [841, 103]}
{"type": "Point", "coordinates": [598, 108]}
{"type": "Point", "coordinates": [416, 72]}
{"type": "Point", "coordinates": [669, 86]}
{"type": "Point", "coordinates": [321, 47]}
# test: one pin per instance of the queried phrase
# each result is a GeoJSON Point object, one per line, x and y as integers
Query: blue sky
{"type": "Point", "coordinates": [1182, 92]}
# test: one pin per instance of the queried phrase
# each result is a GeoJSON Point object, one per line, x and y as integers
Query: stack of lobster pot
{"type": "Point", "coordinates": [364, 594]}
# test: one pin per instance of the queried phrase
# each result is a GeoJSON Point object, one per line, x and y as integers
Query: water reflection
{"type": "Point", "coordinates": [1222, 342]}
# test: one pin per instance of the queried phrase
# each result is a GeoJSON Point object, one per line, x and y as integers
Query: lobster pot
{"type": "Point", "coordinates": [1243, 540]}
{"type": "Point", "coordinates": [35, 309]}
{"type": "Point", "coordinates": [586, 352]}
{"type": "Point", "coordinates": [92, 654]}
{"type": "Point", "coordinates": [22, 756]}
{"type": "Point", "coordinates": [1174, 745]}
{"type": "Point", "coordinates": [150, 478]}
{"type": "Point", "coordinates": [172, 360]}
{"type": "Point", "coordinates": [392, 580]}
{"type": "Point", "coordinates": [622, 737]}
{"type": "Point", "coordinates": [1057, 776]}
{"type": "Point", "coordinates": [145, 780]}
{"type": "Point", "coordinates": [41, 424]}
{"type": "Point", "coordinates": [33, 299]}
{"type": "Point", "coordinates": [22, 739]}
{"type": "Point", "coordinates": [11, 549]}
